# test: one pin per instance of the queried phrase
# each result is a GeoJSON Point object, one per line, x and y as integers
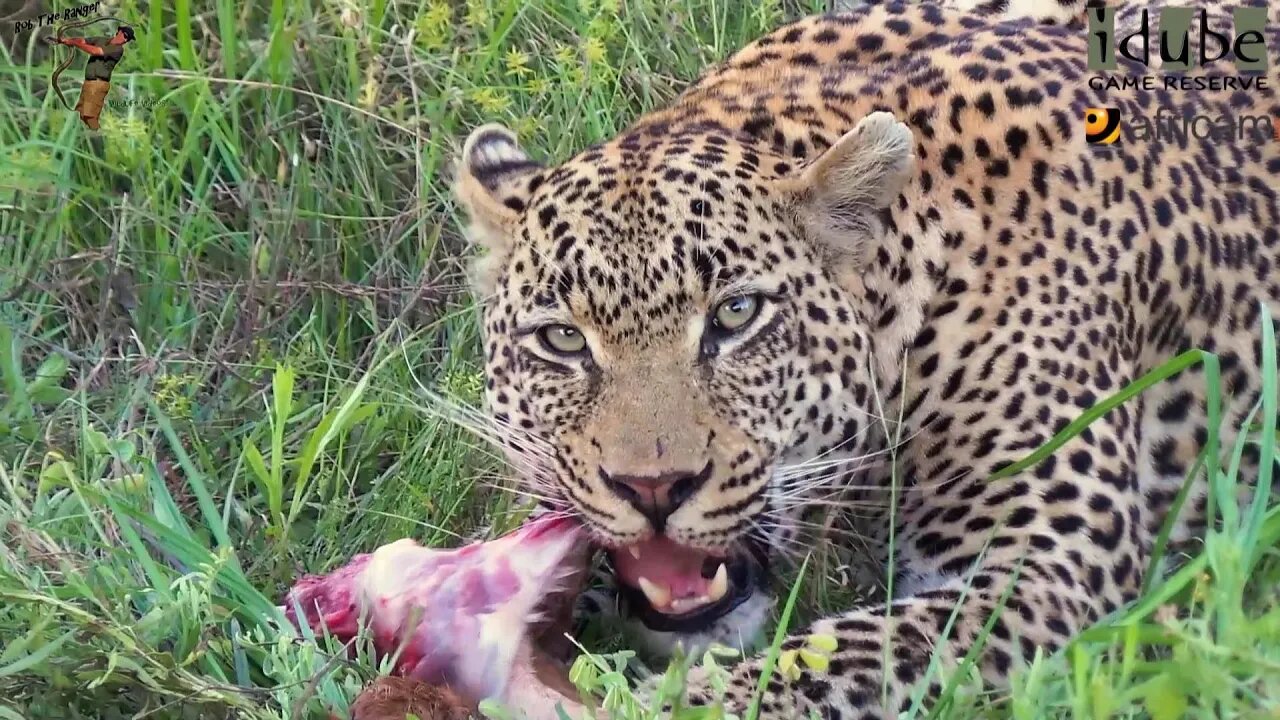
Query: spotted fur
{"type": "Point", "coordinates": [946, 270]}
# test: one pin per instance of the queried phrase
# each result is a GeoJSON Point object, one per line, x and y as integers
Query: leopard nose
{"type": "Point", "coordinates": [656, 496]}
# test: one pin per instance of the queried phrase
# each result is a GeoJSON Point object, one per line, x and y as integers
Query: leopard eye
{"type": "Point", "coordinates": [562, 339]}
{"type": "Point", "coordinates": [734, 313]}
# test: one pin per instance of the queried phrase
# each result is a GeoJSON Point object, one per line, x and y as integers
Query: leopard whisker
{"type": "Point", "coordinates": [496, 430]}
{"type": "Point", "coordinates": [820, 530]}
{"type": "Point", "coordinates": [801, 469]}
{"type": "Point", "coordinates": [812, 494]}
{"type": "Point", "coordinates": [788, 548]}
{"type": "Point", "coordinates": [853, 466]}
{"type": "Point", "coordinates": [791, 469]}
{"type": "Point", "coordinates": [834, 480]}
{"type": "Point", "coordinates": [838, 504]}
{"type": "Point", "coordinates": [521, 492]}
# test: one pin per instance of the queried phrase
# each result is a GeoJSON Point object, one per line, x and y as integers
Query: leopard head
{"type": "Point", "coordinates": [671, 326]}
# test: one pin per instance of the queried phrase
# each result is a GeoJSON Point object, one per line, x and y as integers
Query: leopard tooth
{"type": "Point", "coordinates": [635, 551]}
{"type": "Point", "coordinates": [719, 584]}
{"type": "Point", "coordinates": [680, 606]}
{"type": "Point", "coordinates": [658, 596]}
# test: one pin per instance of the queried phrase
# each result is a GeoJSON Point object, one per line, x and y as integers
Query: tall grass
{"type": "Point", "coordinates": [220, 312]}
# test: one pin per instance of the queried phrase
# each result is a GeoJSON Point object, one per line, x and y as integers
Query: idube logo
{"type": "Point", "coordinates": [1186, 39]}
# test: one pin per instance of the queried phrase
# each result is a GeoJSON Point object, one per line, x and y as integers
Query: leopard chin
{"type": "Point", "coordinates": [742, 628]}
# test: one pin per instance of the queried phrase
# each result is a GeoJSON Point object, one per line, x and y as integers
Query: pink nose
{"type": "Point", "coordinates": [657, 496]}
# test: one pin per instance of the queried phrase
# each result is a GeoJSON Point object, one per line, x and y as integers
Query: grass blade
{"type": "Point", "coordinates": [1158, 375]}
{"type": "Point", "coordinates": [775, 648]}
{"type": "Point", "coordinates": [195, 479]}
{"type": "Point", "coordinates": [1266, 445]}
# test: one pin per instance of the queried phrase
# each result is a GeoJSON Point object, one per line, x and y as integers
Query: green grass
{"type": "Point", "coordinates": [223, 314]}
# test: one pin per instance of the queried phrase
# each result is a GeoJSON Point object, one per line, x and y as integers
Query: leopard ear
{"type": "Point", "coordinates": [840, 192]}
{"type": "Point", "coordinates": [494, 182]}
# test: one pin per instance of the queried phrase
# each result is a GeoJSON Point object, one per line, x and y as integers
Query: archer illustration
{"type": "Point", "coordinates": [104, 54]}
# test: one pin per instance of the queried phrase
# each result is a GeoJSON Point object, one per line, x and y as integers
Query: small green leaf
{"type": "Point", "coordinates": [51, 371]}
{"type": "Point", "coordinates": [703, 712]}
{"type": "Point", "coordinates": [823, 642]}
{"type": "Point", "coordinates": [97, 441]}
{"type": "Point", "coordinates": [815, 661]}
{"type": "Point", "coordinates": [130, 483]}
{"type": "Point", "coordinates": [1165, 700]}
{"type": "Point", "coordinates": [1101, 697]}
{"type": "Point", "coordinates": [718, 650]}
{"type": "Point", "coordinates": [35, 658]}
{"type": "Point", "coordinates": [584, 674]}
{"type": "Point", "coordinates": [787, 662]}
{"type": "Point", "coordinates": [50, 395]}
{"type": "Point", "coordinates": [14, 648]}
{"type": "Point", "coordinates": [56, 472]}
{"type": "Point", "coordinates": [282, 396]}
{"type": "Point", "coordinates": [494, 711]}
{"type": "Point", "coordinates": [267, 481]}
{"type": "Point", "coordinates": [121, 449]}
{"type": "Point", "coordinates": [112, 661]}
{"type": "Point", "coordinates": [11, 368]}
{"type": "Point", "coordinates": [263, 259]}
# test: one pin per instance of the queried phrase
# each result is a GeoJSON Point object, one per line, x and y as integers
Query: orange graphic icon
{"type": "Point", "coordinates": [1101, 125]}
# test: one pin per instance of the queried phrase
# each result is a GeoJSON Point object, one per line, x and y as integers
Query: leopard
{"type": "Point", "coordinates": [876, 260]}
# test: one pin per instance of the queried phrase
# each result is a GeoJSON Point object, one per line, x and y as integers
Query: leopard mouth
{"type": "Point", "coordinates": [675, 588]}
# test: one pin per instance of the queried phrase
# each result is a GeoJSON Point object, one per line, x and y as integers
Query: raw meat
{"type": "Point", "coordinates": [465, 616]}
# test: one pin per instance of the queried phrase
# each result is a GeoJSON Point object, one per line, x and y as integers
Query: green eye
{"type": "Point", "coordinates": [735, 313]}
{"type": "Point", "coordinates": [562, 339]}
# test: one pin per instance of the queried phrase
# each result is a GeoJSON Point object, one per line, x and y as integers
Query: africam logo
{"type": "Point", "coordinates": [105, 52]}
{"type": "Point", "coordinates": [1102, 126]}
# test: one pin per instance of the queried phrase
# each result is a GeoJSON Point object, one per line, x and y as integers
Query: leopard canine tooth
{"type": "Point", "coordinates": [634, 550]}
{"type": "Point", "coordinates": [658, 596]}
{"type": "Point", "coordinates": [719, 584]}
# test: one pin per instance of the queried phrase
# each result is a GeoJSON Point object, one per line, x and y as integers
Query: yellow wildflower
{"type": "Point", "coordinates": [434, 26]}
{"type": "Point", "coordinates": [517, 62]}
{"type": "Point", "coordinates": [477, 14]}
{"type": "Point", "coordinates": [526, 126]}
{"type": "Point", "coordinates": [564, 54]}
{"type": "Point", "coordinates": [537, 85]}
{"type": "Point", "coordinates": [489, 100]}
{"type": "Point", "coordinates": [594, 50]}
